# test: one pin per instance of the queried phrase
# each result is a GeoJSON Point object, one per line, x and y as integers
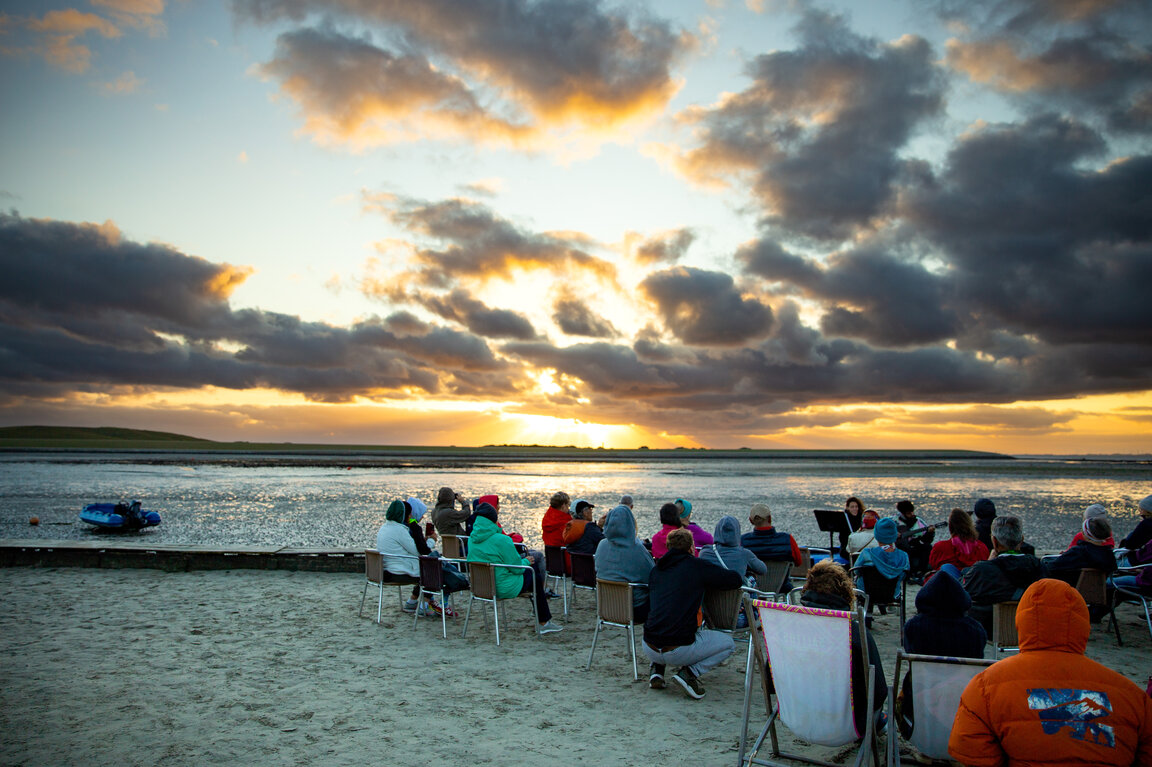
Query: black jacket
{"type": "Point", "coordinates": [1002, 579]}
{"type": "Point", "coordinates": [1067, 566]}
{"type": "Point", "coordinates": [676, 588]}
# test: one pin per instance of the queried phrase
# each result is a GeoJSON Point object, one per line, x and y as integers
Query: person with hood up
{"type": "Point", "coordinates": [726, 551]}
{"type": "Point", "coordinates": [670, 520]}
{"type": "Point", "coordinates": [888, 561]}
{"type": "Point", "coordinates": [676, 589]}
{"type": "Point", "coordinates": [700, 536]}
{"type": "Point", "coordinates": [396, 542]}
{"type": "Point", "coordinates": [1049, 704]}
{"type": "Point", "coordinates": [1004, 575]}
{"type": "Point", "coordinates": [622, 557]}
{"type": "Point", "coordinates": [941, 626]}
{"type": "Point", "coordinates": [446, 517]}
{"type": "Point", "coordinates": [963, 549]}
{"type": "Point", "coordinates": [489, 544]}
{"type": "Point", "coordinates": [581, 534]}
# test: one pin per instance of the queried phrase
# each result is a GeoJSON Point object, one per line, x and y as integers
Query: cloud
{"type": "Point", "coordinates": [1085, 56]}
{"type": "Point", "coordinates": [702, 307]}
{"type": "Point", "coordinates": [142, 14]}
{"type": "Point", "coordinates": [820, 130]}
{"type": "Point", "coordinates": [548, 64]}
{"type": "Point", "coordinates": [126, 83]}
{"type": "Point", "coordinates": [82, 308]}
{"type": "Point", "coordinates": [663, 248]}
{"type": "Point", "coordinates": [479, 244]}
{"type": "Point", "coordinates": [56, 35]}
{"type": "Point", "coordinates": [574, 317]}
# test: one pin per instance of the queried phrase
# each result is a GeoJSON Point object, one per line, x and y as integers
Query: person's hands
{"type": "Point", "coordinates": [602, 520]}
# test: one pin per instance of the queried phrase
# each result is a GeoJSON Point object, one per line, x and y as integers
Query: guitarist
{"type": "Point", "coordinates": [915, 538]}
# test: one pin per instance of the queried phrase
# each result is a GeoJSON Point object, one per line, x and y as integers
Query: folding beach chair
{"type": "Point", "coordinates": [809, 652]}
{"type": "Point", "coordinates": [614, 608]}
{"type": "Point", "coordinates": [937, 683]}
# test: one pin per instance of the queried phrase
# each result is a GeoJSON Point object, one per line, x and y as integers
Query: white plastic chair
{"type": "Point", "coordinates": [810, 652]}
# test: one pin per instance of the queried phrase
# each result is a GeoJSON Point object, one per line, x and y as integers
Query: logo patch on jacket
{"type": "Point", "coordinates": [1075, 709]}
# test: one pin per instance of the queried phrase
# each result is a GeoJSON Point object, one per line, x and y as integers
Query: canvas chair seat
{"type": "Point", "coordinates": [811, 680]}
{"type": "Point", "coordinates": [937, 683]}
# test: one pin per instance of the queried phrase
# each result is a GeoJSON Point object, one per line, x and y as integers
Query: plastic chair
{"type": "Point", "coordinates": [376, 575]}
{"type": "Point", "coordinates": [937, 683]}
{"type": "Point", "coordinates": [482, 578]}
{"type": "Point", "coordinates": [431, 584]}
{"type": "Point", "coordinates": [1134, 595]}
{"type": "Point", "coordinates": [810, 690]}
{"type": "Point", "coordinates": [556, 568]}
{"type": "Point", "coordinates": [614, 608]}
{"type": "Point", "coordinates": [1004, 637]}
{"type": "Point", "coordinates": [773, 581]}
{"type": "Point", "coordinates": [883, 592]}
{"type": "Point", "coordinates": [583, 572]}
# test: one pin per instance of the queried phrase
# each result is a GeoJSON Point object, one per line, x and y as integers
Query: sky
{"type": "Point", "coordinates": [722, 223]}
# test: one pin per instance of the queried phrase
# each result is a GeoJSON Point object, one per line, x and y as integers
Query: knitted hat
{"type": "Point", "coordinates": [905, 507]}
{"type": "Point", "coordinates": [886, 530]}
{"type": "Point", "coordinates": [686, 507]}
{"type": "Point", "coordinates": [984, 509]}
{"type": "Point", "coordinates": [1095, 510]}
{"type": "Point", "coordinates": [1146, 504]}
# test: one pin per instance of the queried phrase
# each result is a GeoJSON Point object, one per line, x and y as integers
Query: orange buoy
{"type": "Point", "coordinates": [34, 521]}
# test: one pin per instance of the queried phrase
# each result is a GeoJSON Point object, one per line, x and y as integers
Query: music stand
{"type": "Point", "coordinates": [833, 521]}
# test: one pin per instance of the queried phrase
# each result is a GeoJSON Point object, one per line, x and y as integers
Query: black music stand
{"type": "Point", "coordinates": [833, 521]}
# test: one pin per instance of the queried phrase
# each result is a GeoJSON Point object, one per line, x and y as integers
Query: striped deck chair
{"type": "Point", "coordinates": [808, 653]}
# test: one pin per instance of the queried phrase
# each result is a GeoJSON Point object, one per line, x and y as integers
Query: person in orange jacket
{"type": "Point", "coordinates": [1051, 705]}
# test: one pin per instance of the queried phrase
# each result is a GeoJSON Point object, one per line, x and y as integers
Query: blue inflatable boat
{"type": "Point", "coordinates": [119, 516]}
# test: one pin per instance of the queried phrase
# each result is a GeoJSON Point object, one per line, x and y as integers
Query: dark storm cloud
{"type": "Point", "coordinates": [459, 307]}
{"type": "Point", "coordinates": [479, 244]}
{"type": "Point", "coordinates": [1087, 56]}
{"type": "Point", "coordinates": [666, 248]}
{"type": "Point", "coordinates": [575, 318]}
{"type": "Point", "coordinates": [83, 309]}
{"type": "Point", "coordinates": [556, 59]}
{"type": "Point", "coordinates": [702, 307]}
{"type": "Point", "coordinates": [821, 127]}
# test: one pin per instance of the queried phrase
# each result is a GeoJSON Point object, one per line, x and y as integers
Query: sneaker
{"type": "Point", "coordinates": [656, 676]}
{"type": "Point", "coordinates": [551, 594]}
{"type": "Point", "coordinates": [689, 682]}
{"type": "Point", "coordinates": [426, 610]}
{"type": "Point", "coordinates": [549, 627]}
{"type": "Point", "coordinates": [410, 606]}
{"type": "Point", "coordinates": [881, 723]}
{"type": "Point", "coordinates": [446, 610]}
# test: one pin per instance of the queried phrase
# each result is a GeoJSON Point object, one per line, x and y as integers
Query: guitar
{"type": "Point", "coordinates": [908, 535]}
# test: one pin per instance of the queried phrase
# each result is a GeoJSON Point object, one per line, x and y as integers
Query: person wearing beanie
{"type": "Point", "coordinates": [865, 537]}
{"type": "Point", "coordinates": [1092, 512]}
{"type": "Point", "coordinates": [1049, 705]}
{"type": "Point", "coordinates": [768, 543]}
{"type": "Point", "coordinates": [1143, 532]}
{"type": "Point", "coordinates": [885, 559]}
{"type": "Point", "coordinates": [1093, 549]}
{"type": "Point", "coordinates": [985, 512]}
{"type": "Point", "coordinates": [700, 536]}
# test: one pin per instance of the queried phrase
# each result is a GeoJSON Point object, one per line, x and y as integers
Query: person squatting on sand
{"type": "Point", "coordinates": [1050, 705]}
{"type": "Point", "coordinates": [489, 544]}
{"type": "Point", "coordinates": [829, 587]}
{"type": "Point", "coordinates": [622, 557]}
{"type": "Point", "coordinates": [768, 543]}
{"type": "Point", "coordinates": [676, 587]}
{"type": "Point", "coordinates": [1004, 575]}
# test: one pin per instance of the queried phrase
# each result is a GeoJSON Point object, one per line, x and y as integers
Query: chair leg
{"type": "Point", "coordinates": [468, 614]}
{"type": "Point", "coordinates": [380, 604]}
{"type": "Point", "coordinates": [595, 635]}
{"type": "Point", "coordinates": [632, 647]}
{"type": "Point", "coordinates": [363, 595]}
{"type": "Point", "coordinates": [496, 613]}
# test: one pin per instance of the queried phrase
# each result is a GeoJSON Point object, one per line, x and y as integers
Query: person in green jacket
{"type": "Point", "coordinates": [488, 543]}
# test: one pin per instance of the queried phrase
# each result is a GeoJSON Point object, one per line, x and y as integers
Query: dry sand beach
{"type": "Point", "coordinates": [274, 667]}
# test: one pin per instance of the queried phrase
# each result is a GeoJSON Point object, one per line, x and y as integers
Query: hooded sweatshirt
{"type": "Point", "coordinates": [620, 556]}
{"type": "Point", "coordinates": [1050, 705]}
{"type": "Point", "coordinates": [726, 550]}
{"type": "Point", "coordinates": [448, 519]}
{"type": "Point", "coordinates": [676, 588]}
{"type": "Point", "coordinates": [489, 544]}
{"type": "Point", "coordinates": [941, 625]}
{"type": "Point", "coordinates": [396, 543]}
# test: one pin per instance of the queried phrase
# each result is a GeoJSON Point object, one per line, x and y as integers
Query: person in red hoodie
{"type": "Point", "coordinates": [1051, 705]}
{"type": "Point", "coordinates": [556, 518]}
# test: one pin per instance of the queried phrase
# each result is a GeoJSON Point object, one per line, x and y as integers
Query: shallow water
{"type": "Point", "coordinates": [290, 501]}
